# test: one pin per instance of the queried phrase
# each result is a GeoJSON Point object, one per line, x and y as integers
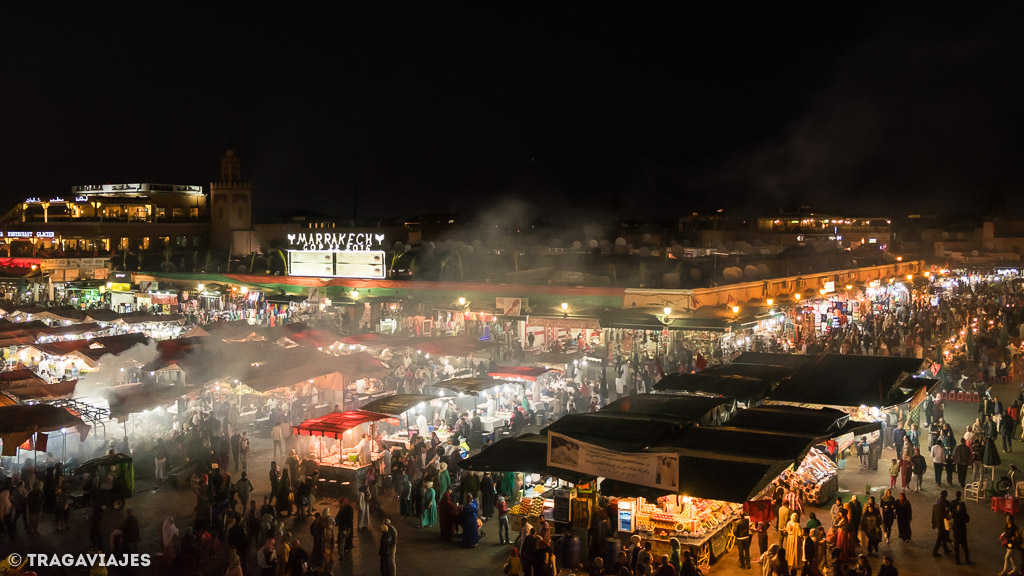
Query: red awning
{"type": "Point", "coordinates": [530, 373]}
{"type": "Point", "coordinates": [335, 424]}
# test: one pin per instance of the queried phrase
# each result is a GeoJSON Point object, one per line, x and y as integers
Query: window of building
{"type": "Point", "coordinates": [182, 241]}
{"type": "Point", "coordinates": [144, 244]}
{"type": "Point", "coordinates": [165, 240]}
{"type": "Point", "coordinates": [177, 212]}
{"type": "Point", "coordinates": [160, 213]}
{"type": "Point", "coordinates": [140, 213]}
{"type": "Point", "coordinates": [193, 212]}
{"type": "Point", "coordinates": [123, 243]}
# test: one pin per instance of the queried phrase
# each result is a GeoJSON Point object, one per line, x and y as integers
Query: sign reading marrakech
{"type": "Point", "coordinates": [335, 241]}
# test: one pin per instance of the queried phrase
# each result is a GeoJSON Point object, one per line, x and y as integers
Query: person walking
{"type": "Point", "coordinates": [938, 461]}
{"type": "Point", "coordinates": [894, 471]}
{"type": "Point", "coordinates": [960, 519]}
{"type": "Point", "coordinates": [503, 522]}
{"type": "Point", "coordinates": [388, 547]}
{"type": "Point", "coordinates": [1010, 540]}
{"type": "Point", "coordinates": [977, 459]}
{"type": "Point", "coordinates": [871, 524]}
{"type": "Point", "coordinates": [888, 507]}
{"type": "Point", "coordinates": [887, 568]}
{"type": "Point", "coordinates": [904, 515]}
{"type": "Point", "coordinates": [1008, 426]}
{"type": "Point", "coordinates": [243, 452]}
{"type": "Point", "coordinates": [940, 511]}
{"type": "Point", "coordinates": [742, 533]}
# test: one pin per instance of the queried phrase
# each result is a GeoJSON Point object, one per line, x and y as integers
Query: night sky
{"type": "Point", "coordinates": [507, 109]}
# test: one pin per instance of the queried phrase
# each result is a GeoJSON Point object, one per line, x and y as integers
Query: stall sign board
{"type": "Point", "coordinates": [334, 264]}
{"type": "Point", "coordinates": [655, 470]}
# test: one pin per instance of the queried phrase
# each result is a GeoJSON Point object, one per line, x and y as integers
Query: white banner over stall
{"type": "Point", "coordinates": [641, 468]}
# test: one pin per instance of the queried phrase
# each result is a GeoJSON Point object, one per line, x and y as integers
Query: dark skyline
{"type": "Point", "coordinates": [571, 113]}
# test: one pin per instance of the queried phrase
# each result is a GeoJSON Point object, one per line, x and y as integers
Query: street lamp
{"type": "Point", "coordinates": [797, 296]}
{"type": "Point", "coordinates": [354, 293]}
{"type": "Point", "coordinates": [910, 277]}
{"type": "Point", "coordinates": [201, 286]}
{"type": "Point", "coordinates": [462, 300]}
{"type": "Point", "coordinates": [849, 286]}
{"type": "Point", "coordinates": [769, 301]}
{"type": "Point", "coordinates": [822, 291]}
{"type": "Point", "coordinates": [668, 310]}
{"type": "Point", "coordinates": [735, 309]}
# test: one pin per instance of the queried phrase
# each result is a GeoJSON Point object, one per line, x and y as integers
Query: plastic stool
{"type": "Point", "coordinates": [975, 397]}
{"type": "Point", "coordinates": [960, 396]}
{"type": "Point", "coordinates": [997, 504]}
{"type": "Point", "coordinates": [1010, 505]}
{"type": "Point", "coordinates": [942, 395]}
{"type": "Point", "coordinates": [1003, 379]}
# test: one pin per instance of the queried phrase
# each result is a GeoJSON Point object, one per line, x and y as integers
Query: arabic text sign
{"type": "Point", "coordinates": [656, 470]}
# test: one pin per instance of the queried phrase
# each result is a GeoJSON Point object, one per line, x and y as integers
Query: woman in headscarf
{"type": "Point", "coordinates": [888, 506]}
{"type": "Point", "coordinates": [470, 531]}
{"type": "Point", "coordinates": [364, 507]}
{"type": "Point", "coordinates": [904, 514]}
{"type": "Point", "coordinates": [444, 479]}
{"type": "Point", "coordinates": [779, 565]}
{"type": "Point", "coordinates": [487, 496]}
{"type": "Point", "coordinates": [284, 493]}
{"type": "Point", "coordinates": [447, 515]}
{"type": "Point", "coordinates": [168, 538]}
{"type": "Point", "coordinates": [428, 519]}
{"type": "Point", "coordinates": [846, 538]}
{"type": "Point", "coordinates": [766, 559]}
{"type": "Point", "coordinates": [283, 549]}
{"type": "Point", "coordinates": [792, 542]}
{"type": "Point", "coordinates": [189, 552]}
{"type": "Point", "coordinates": [234, 564]}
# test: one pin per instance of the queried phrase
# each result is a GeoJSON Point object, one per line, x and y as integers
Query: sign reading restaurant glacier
{"type": "Point", "coordinates": [335, 241]}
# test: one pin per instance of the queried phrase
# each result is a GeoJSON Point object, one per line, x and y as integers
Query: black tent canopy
{"type": "Point", "coordinates": [526, 453]}
{"type": "Point", "coordinates": [469, 385]}
{"type": "Point", "coordinates": [705, 411]}
{"type": "Point", "coordinates": [730, 386]}
{"type": "Point", "coordinates": [398, 404]}
{"type": "Point", "coordinates": [819, 424]}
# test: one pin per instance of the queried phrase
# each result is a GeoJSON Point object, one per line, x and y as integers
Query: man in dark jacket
{"type": "Point", "coordinates": [898, 435]}
{"type": "Point", "coordinates": [346, 521]}
{"type": "Point", "coordinates": [962, 459]}
{"type": "Point", "coordinates": [388, 547]}
{"type": "Point", "coordinates": [939, 512]}
{"type": "Point", "coordinates": [960, 520]}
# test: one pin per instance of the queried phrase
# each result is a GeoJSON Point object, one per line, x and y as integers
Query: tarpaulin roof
{"type": "Point", "coordinates": [71, 329]}
{"type": "Point", "coordinates": [711, 477]}
{"type": "Point", "coordinates": [25, 418]}
{"type": "Point", "coordinates": [733, 441]}
{"type": "Point", "coordinates": [618, 430]}
{"type": "Point", "coordinates": [629, 319]}
{"type": "Point", "coordinates": [822, 423]}
{"type": "Point", "coordinates": [42, 390]}
{"type": "Point", "coordinates": [702, 410]}
{"type": "Point", "coordinates": [373, 340]}
{"type": "Point", "coordinates": [788, 360]}
{"type": "Point", "coordinates": [135, 398]}
{"type": "Point", "coordinates": [530, 373]}
{"type": "Point", "coordinates": [470, 385]}
{"type": "Point", "coordinates": [335, 424]}
{"type": "Point", "coordinates": [94, 348]}
{"type": "Point", "coordinates": [462, 345]}
{"type": "Point", "coordinates": [526, 453]}
{"type": "Point", "coordinates": [314, 338]}
{"type": "Point", "coordinates": [769, 372]}
{"type": "Point", "coordinates": [846, 381]}
{"type": "Point", "coordinates": [19, 378]}
{"type": "Point", "coordinates": [730, 386]}
{"type": "Point", "coordinates": [397, 403]}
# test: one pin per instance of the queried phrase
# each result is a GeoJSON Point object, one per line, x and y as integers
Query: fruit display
{"type": "Point", "coordinates": [816, 479]}
{"type": "Point", "coordinates": [529, 507]}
